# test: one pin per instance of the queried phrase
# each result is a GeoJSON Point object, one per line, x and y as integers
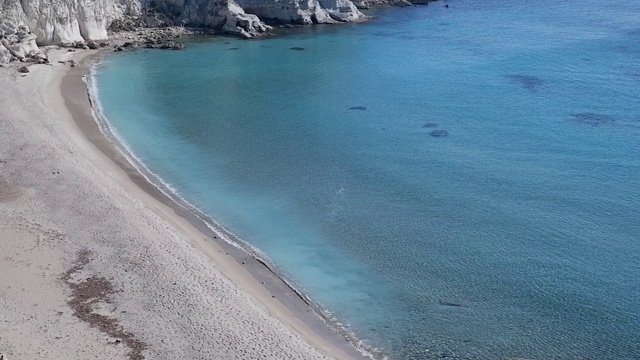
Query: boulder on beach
{"type": "Point", "coordinates": [23, 70]}
{"type": "Point", "coordinates": [71, 63]}
{"type": "Point", "coordinates": [40, 58]}
{"type": "Point", "coordinates": [92, 45]}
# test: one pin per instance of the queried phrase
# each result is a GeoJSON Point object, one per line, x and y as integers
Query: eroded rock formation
{"type": "Point", "coordinates": [27, 24]}
{"type": "Point", "coordinates": [303, 11]}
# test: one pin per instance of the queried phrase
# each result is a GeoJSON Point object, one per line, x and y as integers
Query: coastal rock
{"type": "Point", "coordinates": [40, 58]}
{"type": "Point", "coordinates": [236, 21]}
{"type": "Point", "coordinates": [71, 63]}
{"type": "Point", "coordinates": [367, 4]}
{"type": "Point", "coordinates": [125, 23]}
{"type": "Point", "coordinates": [92, 45]}
{"type": "Point", "coordinates": [23, 70]}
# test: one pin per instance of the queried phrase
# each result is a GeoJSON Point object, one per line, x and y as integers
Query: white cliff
{"type": "Point", "coordinates": [25, 24]}
{"type": "Point", "coordinates": [303, 11]}
{"type": "Point", "coordinates": [238, 22]}
{"type": "Point", "coordinates": [225, 15]}
{"type": "Point", "coordinates": [63, 21]}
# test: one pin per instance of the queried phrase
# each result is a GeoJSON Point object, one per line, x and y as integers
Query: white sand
{"type": "Point", "coordinates": [175, 295]}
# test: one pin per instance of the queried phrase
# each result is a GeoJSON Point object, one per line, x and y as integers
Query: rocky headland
{"type": "Point", "coordinates": [27, 25]}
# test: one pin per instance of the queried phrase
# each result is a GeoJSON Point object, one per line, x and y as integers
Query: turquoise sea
{"type": "Point", "coordinates": [514, 233]}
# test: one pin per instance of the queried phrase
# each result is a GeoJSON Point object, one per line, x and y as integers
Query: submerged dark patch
{"type": "Point", "coordinates": [452, 302]}
{"type": "Point", "coordinates": [634, 75]}
{"type": "Point", "coordinates": [429, 125]}
{"type": "Point", "coordinates": [526, 81]}
{"type": "Point", "coordinates": [233, 48]}
{"type": "Point", "coordinates": [634, 32]}
{"type": "Point", "coordinates": [439, 133]}
{"type": "Point", "coordinates": [357, 108]}
{"type": "Point", "coordinates": [592, 119]}
{"type": "Point", "coordinates": [295, 48]}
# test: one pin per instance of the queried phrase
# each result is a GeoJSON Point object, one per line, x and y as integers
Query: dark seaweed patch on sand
{"type": "Point", "coordinates": [92, 291]}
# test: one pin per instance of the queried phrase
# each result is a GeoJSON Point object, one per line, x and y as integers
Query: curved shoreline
{"type": "Point", "coordinates": [291, 306]}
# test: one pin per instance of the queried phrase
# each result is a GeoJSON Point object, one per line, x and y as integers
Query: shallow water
{"type": "Point", "coordinates": [513, 230]}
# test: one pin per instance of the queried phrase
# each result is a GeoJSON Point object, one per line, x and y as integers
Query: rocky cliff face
{"type": "Point", "coordinates": [63, 21]}
{"type": "Point", "coordinates": [25, 24]}
{"type": "Point", "coordinates": [303, 11]}
{"type": "Point", "coordinates": [224, 15]}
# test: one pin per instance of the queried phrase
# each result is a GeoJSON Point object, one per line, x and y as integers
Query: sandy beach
{"type": "Point", "coordinates": [98, 264]}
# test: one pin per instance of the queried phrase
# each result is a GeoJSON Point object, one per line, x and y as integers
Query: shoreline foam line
{"type": "Point", "coordinates": [168, 195]}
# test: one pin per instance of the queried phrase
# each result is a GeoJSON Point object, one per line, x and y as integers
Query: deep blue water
{"type": "Point", "coordinates": [526, 216]}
